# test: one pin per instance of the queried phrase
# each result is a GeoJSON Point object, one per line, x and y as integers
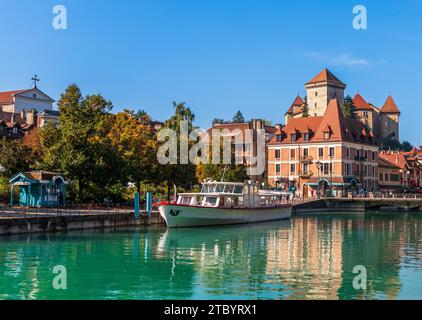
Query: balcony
{"type": "Point", "coordinates": [360, 158]}
{"type": "Point", "coordinates": [306, 159]}
{"type": "Point", "coordinates": [306, 175]}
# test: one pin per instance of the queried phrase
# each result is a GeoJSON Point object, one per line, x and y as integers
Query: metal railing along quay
{"type": "Point", "coordinates": [76, 211]}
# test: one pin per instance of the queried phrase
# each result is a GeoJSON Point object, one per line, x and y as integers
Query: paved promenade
{"type": "Point", "coordinates": [23, 220]}
{"type": "Point", "coordinates": [7, 212]}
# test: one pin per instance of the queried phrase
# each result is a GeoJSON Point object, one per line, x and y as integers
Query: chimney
{"type": "Point", "coordinates": [30, 117]}
{"type": "Point", "coordinates": [257, 124]}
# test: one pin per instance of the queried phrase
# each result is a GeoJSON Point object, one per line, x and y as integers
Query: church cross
{"type": "Point", "coordinates": [35, 79]}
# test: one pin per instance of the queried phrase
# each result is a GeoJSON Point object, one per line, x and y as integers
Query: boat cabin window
{"type": "Point", "coordinates": [206, 188]}
{"type": "Point", "coordinates": [238, 189]}
{"type": "Point", "coordinates": [210, 201]}
{"type": "Point", "coordinates": [185, 200]}
{"type": "Point", "coordinates": [220, 188]}
{"type": "Point", "coordinates": [230, 188]}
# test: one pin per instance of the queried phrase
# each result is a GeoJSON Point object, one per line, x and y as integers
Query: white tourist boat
{"type": "Point", "coordinates": [224, 203]}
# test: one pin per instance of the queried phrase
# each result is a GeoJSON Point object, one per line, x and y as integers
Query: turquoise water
{"type": "Point", "coordinates": [305, 258]}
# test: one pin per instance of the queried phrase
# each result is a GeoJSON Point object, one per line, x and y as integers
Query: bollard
{"type": "Point", "coordinates": [149, 204]}
{"type": "Point", "coordinates": [136, 200]}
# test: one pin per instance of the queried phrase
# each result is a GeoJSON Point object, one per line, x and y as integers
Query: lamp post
{"type": "Point", "coordinates": [318, 165]}
{"type": "Point", "coordinates": [2, 170]}
{"type": "Point", "coordinates": [299, 172]}
{"type": "Point", "coordinates": [401, 179]}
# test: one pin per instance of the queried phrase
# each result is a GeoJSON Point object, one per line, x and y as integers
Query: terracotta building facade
{"type": "Point", "coordinates": [321, 154]}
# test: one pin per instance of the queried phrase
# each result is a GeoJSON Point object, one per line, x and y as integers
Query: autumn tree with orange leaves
{"type": "Point", "coordinates": [134, 139]}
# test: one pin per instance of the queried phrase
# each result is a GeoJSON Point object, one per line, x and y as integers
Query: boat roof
{"type": "Point", "coordinates": [211, 194]}
{"type": "Point", "coordinates": [227, 183]}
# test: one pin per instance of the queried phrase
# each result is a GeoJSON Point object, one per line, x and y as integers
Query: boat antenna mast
{"type": "Point", "coordinates": [224, 173]}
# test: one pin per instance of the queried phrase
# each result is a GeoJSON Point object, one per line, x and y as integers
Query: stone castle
{"type": "Point", "coordinates": [383, 121]}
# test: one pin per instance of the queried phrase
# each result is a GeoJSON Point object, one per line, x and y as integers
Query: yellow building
{"type": "Point", "coordinates": [390, 175]}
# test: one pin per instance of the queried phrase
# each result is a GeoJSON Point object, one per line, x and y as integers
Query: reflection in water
{"type": "Point", "coordinates": [306, 258]}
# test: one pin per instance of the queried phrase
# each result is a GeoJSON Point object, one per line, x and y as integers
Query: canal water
{"type": "Point", "coordinates": [306, 258]}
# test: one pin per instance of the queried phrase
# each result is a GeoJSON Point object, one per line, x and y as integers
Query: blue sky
{"type": "Point", "coordinates": [217, 56]}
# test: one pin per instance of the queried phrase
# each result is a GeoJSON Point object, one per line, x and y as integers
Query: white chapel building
{"type": "Point", "coordinates": [30, 106]}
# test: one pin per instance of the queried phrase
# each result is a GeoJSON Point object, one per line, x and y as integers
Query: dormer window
{"type": "Point", "coordinates": [278, 138]}
{"type": "Point", "coordinates": [306, 136]}
{"type": "Point", "coordinates": [293, 137]}
{"type": "Point", "coordinates": [326, 135]}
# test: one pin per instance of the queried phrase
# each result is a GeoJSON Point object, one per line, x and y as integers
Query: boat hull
{"type": "Point", "coordinates": [177, 216]}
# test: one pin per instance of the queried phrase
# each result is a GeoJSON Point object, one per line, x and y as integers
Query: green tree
{"type": "Point", "coordinates": [395, 145]}
{"type": "Point", "coordinates": [267, 123]}
{"type": "Point", "coordinates": [182, 175]}
{"type": "Point", "coordinates": [407, 146]}
{"type": "Point", "coordinates": [349, 108]}
{"type": "Point", "coordinates": [50, 137]}
{"type": "Point", "coordinates": [238, 117]}
{"type": "Point", "coordinates": [217, 121]}
{"type": "Point", "coordinates": [141, 114]}
{"type": "Point", "coordinates": [305, 113]}
{"type": "Point", "coordinates": [228, 172]}
{"type": "Point", "coordinates": [15, 157]}
{"type": "Point", "coordinates": [80, 148]}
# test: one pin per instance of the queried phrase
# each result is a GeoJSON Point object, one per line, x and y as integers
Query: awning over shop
{"type": "Point", "coordinates": [337, 182]}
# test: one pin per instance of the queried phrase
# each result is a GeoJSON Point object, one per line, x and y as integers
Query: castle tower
{"type": "Point", "coordinates": [390, 115]}
{"type": "Point", "coordinates": [368, 114]}
{"type": "Point", "coordinates": [295, 110]}
{"type": "Point", "coordinates": [321, 89]}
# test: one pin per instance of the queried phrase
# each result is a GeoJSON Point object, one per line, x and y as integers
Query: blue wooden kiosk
{"type": "Point", "coordinates": [39, 189]}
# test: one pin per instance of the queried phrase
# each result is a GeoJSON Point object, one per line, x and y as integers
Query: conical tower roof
{"type": "Point", "coordinates": [326, 76]}
{"type": "Point", "coordinates": [390, 106]}
{"type": "Point", "coordinates": [360, 103]}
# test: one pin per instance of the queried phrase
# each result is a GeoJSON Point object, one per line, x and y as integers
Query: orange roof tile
{"type": "Point", "coordinates": [384, 162]}
{"type": "Point", "coordinates": [390, 106]}
{"type": "Point", "coordinates": [396, 158]}
{"type": "Point", "coordinates": [6, 97]}
{"type": "Point", "coordinates": [239, 128]}
{"type": "Point", "coordinates": [326, 76]}
{"type": "Point", "coordinates": [333, 121]}
{"type": "Point", "coordinates": [41, 175]}
{"type": "Point", "coordinates": [413, 152]}
{"type": "Point", "coordinates": [298, 102]}
{"type": "Point", "coordinates": [360, 103]}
